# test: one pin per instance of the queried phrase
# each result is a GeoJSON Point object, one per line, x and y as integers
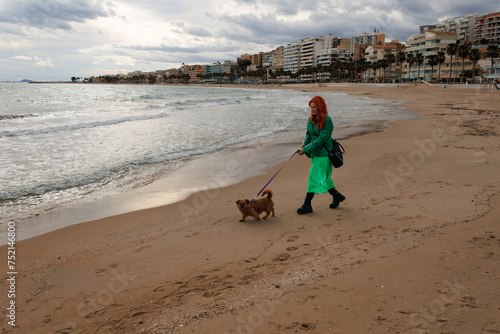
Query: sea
{"type": "Point", "coordinates": [77, 152]}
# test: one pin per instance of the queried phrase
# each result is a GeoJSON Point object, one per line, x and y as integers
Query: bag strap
{"type": "Point", "coordinates": [335, 141]}
{"type": "Point", "coordinates": [342, 147]}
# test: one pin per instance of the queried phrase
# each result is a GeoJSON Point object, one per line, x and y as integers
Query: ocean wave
{"type": "Point", "coordinates": [204, 103]}
{"type": "Point", "coordinates": [120, 173]}
{"type": "Point", "coordinates": [256, 97]}
{"type": "Point", "coordinates": [72, 127]}
{"type": "Point", "coordinates": [16, 116]}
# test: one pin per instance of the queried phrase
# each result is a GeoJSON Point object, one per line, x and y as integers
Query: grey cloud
{"type": "Point", "coordinates": [269, 30]}
{"type": "Point", "coordinates": [194, 30]}
{"type": "Point", "coordinates": [163, 48]}
{"type": "Point", "coordinates": [198, 31]}
{"type": "Point", "coordinates": [52, 13]}
{"type": "Point", "coordinates": [347, 18]}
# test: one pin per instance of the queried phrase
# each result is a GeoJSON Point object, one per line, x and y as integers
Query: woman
{"type": "Point", "coordinates": [318, 140]}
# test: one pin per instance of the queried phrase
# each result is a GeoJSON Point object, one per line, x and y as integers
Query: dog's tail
{"type": "Point", "coordinates": [269, 193]}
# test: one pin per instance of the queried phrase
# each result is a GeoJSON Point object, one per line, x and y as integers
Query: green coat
{"type": "Point", "coordinates": [315, 138]}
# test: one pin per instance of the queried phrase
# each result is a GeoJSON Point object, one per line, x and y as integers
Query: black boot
{"type": "Point", "coordinates": [337, 198]}
{"type": "Point", "coordinates": [306, 207]}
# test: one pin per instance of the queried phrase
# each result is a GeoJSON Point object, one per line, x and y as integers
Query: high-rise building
{"type": "Point", "coordinates": [424, 28]}
{"type": "Point", "coordinates": [278, 57]}
{"type": "Point", "coordinates": [488, 27]}
{"type": "Point", "coordinates": [267, 59]}
{"type": "Point", "coordinates": [219, 68]}
{"type": "Point", "coordinates": [463, 26]}
{"type": "Point", "coordinates": [430, 42]}
{"type": "Point", "coordinates": [311, 47]}
{"type": "Point", "coordinates": [257, 59]}
{"type": "Point", "coordinates": [292, 57]}
{"type": "Point", "coordinates": [310, 52]}
{"type": "Point", "coordinates": [243, 58]}
{"type": "Point", "coordinates": [373, 38]}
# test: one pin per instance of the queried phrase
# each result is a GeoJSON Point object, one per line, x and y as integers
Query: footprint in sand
{"type": "Point", "coordinates": [293, 248]}
{"type": "Point", "coordinates": [292, 238]}
{"type": "Point", "coordinates": [282, 257]}
{"type": "Point", "coordinates": [141, 248]}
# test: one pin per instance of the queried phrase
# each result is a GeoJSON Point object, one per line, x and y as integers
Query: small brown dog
{"type": "Point", "coordinates": [247, 208]}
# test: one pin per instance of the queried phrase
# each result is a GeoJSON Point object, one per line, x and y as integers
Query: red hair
{"type": "Point", "coordinates": [322, 111]}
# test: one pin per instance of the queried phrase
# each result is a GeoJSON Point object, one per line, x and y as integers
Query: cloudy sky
{"type": "Point", "coordinates": [58, 39]}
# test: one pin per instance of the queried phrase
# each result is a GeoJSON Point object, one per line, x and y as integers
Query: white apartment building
{"type": "Point", "coordinates": [310, 52]}
{"type": "Point", "coordinates": [463, 26]}
{"type": "Point", "coordinates": [371, 38]}
{"type": "Point", "coordinates": [311, 47]}
{"type": "Point", "coordinates": [267, 59]}
{"type": "Point", "coordinates": [430, 42]}
{"type": "Point", "coordinates": [330, 56]}
{"type": "Point", "coordinates": [292, 57]}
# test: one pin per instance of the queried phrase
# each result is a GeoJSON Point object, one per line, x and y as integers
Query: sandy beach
{"type": "Point", "coordinates": [415, 247]}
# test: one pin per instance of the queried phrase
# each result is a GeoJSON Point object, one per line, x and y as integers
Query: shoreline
{"type": "Point", "coordinates": [153, 194]}
{"type": "Point", "coordinates": [420, 215]}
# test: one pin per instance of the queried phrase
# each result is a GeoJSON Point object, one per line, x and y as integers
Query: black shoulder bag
{"type": "Point", "coordinates": [336, 155]}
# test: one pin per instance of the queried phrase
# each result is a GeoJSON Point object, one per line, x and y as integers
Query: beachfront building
{"type": "Point", "coordinates": [312, 56]}
{"type": "Point", "coordinates": [309, 48]}
{"type": "Point", "coordinates": [426, 27]}
{"type": "Point", "coordinates": [267, 59]}
{"type": "Point", "coordinates": [330, 56]}
{"type": "Point", "coordinates": [196, 73]}
{"type": "Point", "coordinates": [375, 53]}
{"type": "Point", "coordinates": [278, 61]}
{"type": "Point", "coordinates": [463, 26]}
{"type": "Point", "coordinates": [243, 58]}
{"type": "Point", "coordinates": [357, 42]}
{"type": "Point", "coordinates": [257, 59]}
{"type": "Point", "coordinates": [488, 27]}
{"type": "Point", "coordinates": [292, 57]}
{"type": "Point", "coordinates": [306, 52]}
{"type": "Point", "coordinates": [216, 71]}
{"type": "Point", "coordinates": [428, 44]}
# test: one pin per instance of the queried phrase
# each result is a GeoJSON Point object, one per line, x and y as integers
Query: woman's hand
{"type": "Point", "coordinates": [301, 152]}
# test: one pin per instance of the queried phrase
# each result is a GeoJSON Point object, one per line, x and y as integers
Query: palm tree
{"type": "Point", "coordinates": [441, 57]}
{"type": "Point", "coordinates": [474, 56]}
{"type": "Point", "coordinates": [400, 58]}
{"type": "Point", "coordinates": [320, 69]}
{"type": "Point", "coordinates": [492, 52]}
{"type": "Point", "coordinates": [451, 50]}
{"type": "Point", "coordinates": [375, 68]}
{"type": "Point", "coordinates": [419, 59]}
{"type": "Point", "coordinates": [383, 65]}
{"type": "Point", "coordinates": [463, 53]}
{"type": "Point", "coordinates": [432, 61]}
{"type": "Point", "coordinates": [410, 59]}
{"type": "Point", "coordinates": [391, 59]}
{"type": "Point", "coordinates": [364, 67]}
{"type": "Point", "coordinates": [338, 67]}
